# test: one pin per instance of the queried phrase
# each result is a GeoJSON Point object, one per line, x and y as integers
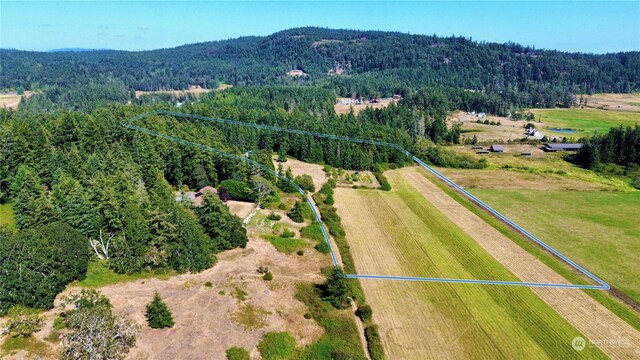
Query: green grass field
{"type": "Point", "coordinates": [599, 230]}
{"type": "Point", "coordinates": [285, 245]}
{"type": "Point", "coordinates": [99, 274]}
{"type": "Point", "coordinates": [401, 232]}
{"type": "Point", "coordinates": [6, 215]}
{"type": "Point", "coordinates": [586, 121]}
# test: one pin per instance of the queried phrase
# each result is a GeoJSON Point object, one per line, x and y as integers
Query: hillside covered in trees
{"type": "Point", "coordinates": [368, 63]}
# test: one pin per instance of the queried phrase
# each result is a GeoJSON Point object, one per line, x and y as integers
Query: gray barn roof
{"type": "Point", "coordinates": [560, 146]}
{"type": "Point", "coordinates": [497, 147]}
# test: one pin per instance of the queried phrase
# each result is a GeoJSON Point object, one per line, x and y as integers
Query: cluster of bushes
{"type": "Point", "coordinates": [238, 190]}
{"type": "Point", "coordinates": [384, 183]}
{"type": "Point", "coordinates": [38, 263]}
{"type": "Point", "coordinates": [266, 274]}
{"type": "Point", "coordinates": [487, 122]}
{"type": "Point", "coordinates": [439, 156]}
{"type": "Point", "coordinates": [274, 217]}
{"type": "Point", "coordinates": [305, 182]}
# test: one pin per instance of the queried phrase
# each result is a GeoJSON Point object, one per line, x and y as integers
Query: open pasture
{"type": "Point", "coordinates": [399, 233]}
{"type": "Point", "coordinates": [616, 102]}
{"type": "Point", "coordinates": [598, 229]}
{"type": "Point", "coordinates": [586, 122]}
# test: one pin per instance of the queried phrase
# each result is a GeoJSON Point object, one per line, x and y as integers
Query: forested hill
{"type": "Point", "coordinates": [374, 63]}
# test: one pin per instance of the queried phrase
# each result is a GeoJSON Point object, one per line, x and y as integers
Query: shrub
{"type": "Point", "coordinates": [263, 269]}
{"type": "Point", "coordinates": [268, 276]}
{"type": "Point", "coordinates": [237, 353]}
{"type": "Point", "coordinates": [282, 206]}
{"type": "Point", "coordinates": [274, 217]}
{"type": "Point", "coordinates": [300, 252]}
{"type": "Point", "coordinates": [208, 284]}
{"type": "Point", "coordinates": [158, 314]}
{"type": "Point", "coordinates": [337, 289]}
{"type": "Point", "coordinates": [322, 247]}
{"type": "Point", "coordinates": [636, 183]}
{"type": "Point", "coordinates": [277, 346]}
{"type": "Point", "coordinates": [305, 182]}
{"type": "Point", "coordinates": [332, 183]}
{"type": "Point", "coordinates": [326, 189]}
{"type": "Point", "coordinates": [59, 323]}
{"type": "Point", "coordinates": [374, 345]}
{"type": "Point", "coordinates": [238, 190]}
{"type": "Point", "coordinates": [308, 315]}
{"type": "Point", "coordinates": [23, 321]}
{"type": "Point", "coordinates": [329, 200]}
{"type": "Point", "coordinates": [287, 234]}
{"type": "Point", "coordinates": [312, 232]}
{"type": "Point", "coordinates": [364, 312]}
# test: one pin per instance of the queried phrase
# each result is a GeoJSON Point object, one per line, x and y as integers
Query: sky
{"type": "Point", "coordinates": [579, 26]}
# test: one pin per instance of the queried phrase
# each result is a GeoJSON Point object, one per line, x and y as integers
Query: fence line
{"type": "Point", "coordinates": [603, 285]}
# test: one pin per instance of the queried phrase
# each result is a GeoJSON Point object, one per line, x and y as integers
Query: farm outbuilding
{"type": "Point", "coordinates": [497, 148]}
{"type": "Point", "coordinates": [562, 147]}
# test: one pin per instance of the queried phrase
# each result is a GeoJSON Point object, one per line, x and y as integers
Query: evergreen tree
{"type": "Point", "coordinates": [296, 213]}
{"type": "Point", "coordinates": [33, 206]}
{"type": "Point", "coordinates": [158, 314]}
{"type": "Point", "coordinates": [337, 289]}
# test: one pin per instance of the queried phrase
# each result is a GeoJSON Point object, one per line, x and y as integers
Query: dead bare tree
{"type": "Point", "coordinates": [100, 246]}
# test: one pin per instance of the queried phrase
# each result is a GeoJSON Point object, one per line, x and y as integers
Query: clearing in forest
{"type": "Point", "coordinates": [302, 168]}
{"type": "Point", "coordinates": [403, 233]}
{"type": "Point", "coordinates": [342, 107]}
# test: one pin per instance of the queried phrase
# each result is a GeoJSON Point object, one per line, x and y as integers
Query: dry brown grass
{"type": "Point", "coordinates": [420, 318]}
{"type": "Point", "coordinates": [507, 130]}
{"type": "Point", "coordinates": [616, 102]}
{"type": "Point", "coordinates": [583, 312]}
{"type": "Point", "coordinates": [241, 209]}
{"type": "Point", "coordinates": [301, 168]}
{"type": "Point", "coordinates": [193, 90]}
{"type": "Point", "coordinates": [344, 109]}
{"type": "Point", "coordinates": [12, 101]}
{"type": "Point", "coordinates": [506, 179]}
{"type": "Point", "coordinates": [208, 322]}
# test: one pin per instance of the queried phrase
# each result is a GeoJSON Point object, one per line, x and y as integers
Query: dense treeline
{"type": "Point", "coordinates": [115, 188]}
{"type": "Point", "coordinates": [81, 182]}
{"type": "Point", "coordinates": [619, 146]}
{"type": "Point", "coordinates": [374, 64]}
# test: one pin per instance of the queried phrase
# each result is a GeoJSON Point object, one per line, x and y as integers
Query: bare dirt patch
{"type": "Point", "coordinates": [345, 108]}
{"type": "Point", "coordinates": [583, 312]}
{"type": "Point", "coordinates": [301, 168]}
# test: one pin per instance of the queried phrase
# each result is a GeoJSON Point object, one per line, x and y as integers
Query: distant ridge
{"type": "Point", "coordinates": [74, 50]}
{"type": "Point", "coordinates": [368, 63]}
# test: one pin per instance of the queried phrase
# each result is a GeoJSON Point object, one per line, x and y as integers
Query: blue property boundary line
{"type": "Point", "coordinates": [603, 285]}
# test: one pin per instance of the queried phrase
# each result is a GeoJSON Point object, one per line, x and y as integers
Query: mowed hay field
{"type": "Point", "coordinates": [399, 233]}
{"type": "Point", "coordinates": [597, 229]}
